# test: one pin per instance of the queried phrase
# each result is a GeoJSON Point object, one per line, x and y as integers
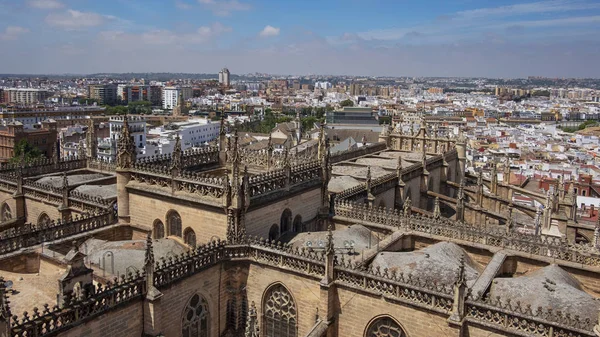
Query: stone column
{"type": "Point", "coordinates": [19, 196]}
{"type": "Point", "coordinates": [327, 292]}
{"type": "Point", "coordinates": [123, 177]}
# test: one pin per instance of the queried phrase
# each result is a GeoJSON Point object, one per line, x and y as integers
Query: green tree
{"type": "Point", "coordinates": [140, 107]}
{"type": "Point", "coordinates": [308, 123]}
{"type": "Point", "coordinates": [385, 120]}
{"type": "Point", "coordinates": [116, 110]}
{"type": "Point", "coordinates": [27, 151]}
{"type": "Point", "coordinates": [347, 103]}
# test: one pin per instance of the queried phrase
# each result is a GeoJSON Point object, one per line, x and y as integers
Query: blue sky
{"type": "Point", "coordinates": [557, 38]}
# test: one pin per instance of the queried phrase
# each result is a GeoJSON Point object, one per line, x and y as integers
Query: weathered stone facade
{"type": "Point", "coordinates": [232, 208]}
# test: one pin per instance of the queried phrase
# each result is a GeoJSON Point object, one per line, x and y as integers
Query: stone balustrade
{"type": "Point", "coordinates": [541, 245]}
{"type": "Point", "coordinates": [414, 291]}
{"type": "Point", "coordinates": [51, 321]}
{"type": "Point", "coordinates": [30, 235]}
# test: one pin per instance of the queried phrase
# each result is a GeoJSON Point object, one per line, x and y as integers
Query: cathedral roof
{"type": "Point", "coordinates": [548, 287]}
{"type": "Point", "coordinates": [439, 262]}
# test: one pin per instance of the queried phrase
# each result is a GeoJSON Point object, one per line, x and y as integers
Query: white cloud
{"type": "Point", "coordinates": [224, 7]}
{"type": "Point", "coordinates": [45, 4]}
{"type": "Point", "coordinates": [530, 8]}
{"type": "Point", "coordinates": [165, 37]}
{"type": "Point", "coordinates": [76, 20]}
{"type": "Point", "coordinates": [12, 32]}
{"type": "Point", "coordinates": [182, 5]}
{"type": "Point", "coordinates": [269, 31]}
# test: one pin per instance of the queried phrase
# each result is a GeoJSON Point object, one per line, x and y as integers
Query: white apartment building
{"type": "Point", "coordinates": [171, 96]}
{"type": "Point", "coordinates": [26, 95]}
{"type": "Point", "coordinates": [193, 133]}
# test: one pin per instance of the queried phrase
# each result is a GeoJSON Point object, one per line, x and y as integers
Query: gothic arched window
{"type": "Point", "coordinates": [44, 220]}
{"type": "Point", "coordinates": [158, 229]}
{"type": "Point", "coordinates": [384, 327]}
{"type": "Point", "coordinates": [6, 212]}
{"type": "Point", "coordinates": [273, 232]}
{"type": "Point", "coordinates": [189, 237]}
{"type": "Point", "coordinates": [298, 223]}
{"type": "Point", "coordinates": [195, 318]}
{"type": "Point", "coordinates": [286, 221]}
{"type": "Point", "coordinates": [280, 313]}
{"type": "Point", "coordinates": [174, 223]}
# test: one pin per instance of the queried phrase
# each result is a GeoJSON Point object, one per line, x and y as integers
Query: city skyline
{"type": "Point", "coordinates": [383, 38]}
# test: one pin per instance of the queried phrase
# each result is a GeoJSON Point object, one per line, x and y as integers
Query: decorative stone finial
{"type": "Point", "coordinates": [149, 259]}
{"type": "Point", "coordinates": [460, 276]}
{"type": "Point", "coordinates": [436, 208]}
{"type": "Point", "coordinates": [407, 206]}
{"type": "Point", "coordinates": [329, 249]}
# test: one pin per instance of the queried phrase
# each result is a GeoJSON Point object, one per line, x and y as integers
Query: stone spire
{"type": "Point", "coordinates": [91, 142]}
{"type": "Point", "coordinates": [5, 313]}
{"type": "Point", "coordinates": [149, 264]}
{"type": "Point", "coordinates": [406, 208]}
{"type": "Point", "coordinates": [494, 178]}
{"type": "Point", "coordinates": [460, 203]}
{"type": "Point", "coordinates": [538, 220]}
{"type": "Point", "coordinates": [597, 234]}
{"type": "Point", "coordinates": [176, 159]}
{"type": "Point", "coordinates": [510, 224]}
{"type": "Point", "coordinates": [126, 147]}
{"type": "Point", "coordinates": [252, 329]}
{"type": "Point", "coordinates": [80, 150]}
{"type": "Point", "coordinates": [149, 258]}
{"type": "Point", "coordinates": [461, 190]}
{"type": "Point", "coordinates": [460, 276]}
{"type": "Point", "coordinates": [329, 247]}
{"type": "Point", "coordinates": [322, 142]}
{"type": "Point", "coordinates": [65, 190]}
{"type": "Point", "coordinates": [460, 294]}
{"type": "Point", "coordinates": [399, 171]}
{"type": "Point", "coordinates": [436, 208]}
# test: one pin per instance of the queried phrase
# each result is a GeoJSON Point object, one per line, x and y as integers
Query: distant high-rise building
{"type": "Point", "coordinates": [103, 93]}
{"type": "Point", "coordinates": [224, 77]}
{"type": "Point", "coordinates": [25, 95]}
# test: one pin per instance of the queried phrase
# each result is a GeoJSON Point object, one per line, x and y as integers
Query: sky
{"type": "Point", "coordinates": [467, 38]}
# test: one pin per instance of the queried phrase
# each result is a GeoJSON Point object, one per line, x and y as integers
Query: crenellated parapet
{"type": "Point", "coordinates": [354, 153]}
{"type": "Point", "coordinates": [304, 175]}
{"type": "Point", "coordinates": [52, 320]}
{"type": "Point", "coordinates": [420, 293]}
{"type": "Point", "coordinates": [191, 158]}
{"type": "Point", "coordinates": [33, 234]}
{"type": "Point", "coordinates": [43, 166]}
{"type": "Point", "coordinates": [540, 245]}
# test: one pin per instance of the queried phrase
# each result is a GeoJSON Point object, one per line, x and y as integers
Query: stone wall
{"type": "Point", "coordinates": [358, 309]}
{"type": "Point", "coordinates": [306, 204]}
{"type": "Point", "coordinates": [304, 290]}
{"type": "Point", "coordinates": [206, 222]}
{"type": "Point", "coordinates": [210, 284]}
{"type": "Point", "coordinates": [122, 321]}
